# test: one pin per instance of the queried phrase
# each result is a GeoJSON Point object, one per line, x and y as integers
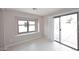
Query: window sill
{"type": "Point", "coordinates": [27, 33]}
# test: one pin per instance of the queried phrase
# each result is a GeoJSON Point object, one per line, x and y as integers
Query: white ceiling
{"type": "Point", "coordinates": [39, 11]}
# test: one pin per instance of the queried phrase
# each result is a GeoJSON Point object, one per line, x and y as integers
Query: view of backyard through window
{"type": "Point", "coordinates": [26, 26]}
{"type": "Point", "coordinates": [22, 27]}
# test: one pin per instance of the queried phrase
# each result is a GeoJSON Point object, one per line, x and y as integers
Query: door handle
{"type": "Point", "coordinates": [60, 29]}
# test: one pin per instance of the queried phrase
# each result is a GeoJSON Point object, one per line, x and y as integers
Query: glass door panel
{"type": "Point", "coordinates": [69, 30]}
{"type": "Point", "coordinates": [56, 29]}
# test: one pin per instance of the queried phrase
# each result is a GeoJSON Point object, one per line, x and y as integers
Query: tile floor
{"type": "Point", "coordinates": [39, 45]}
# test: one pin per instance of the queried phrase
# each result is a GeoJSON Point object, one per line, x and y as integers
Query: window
{"type": "Point", "coordinates": [56, 28]}
{"type": "Point", "coordinates": [25, 26]}
{"type": "Point", "coordinates": [69, 30]}
{"type": "Point", "coordinates": [31, 25]}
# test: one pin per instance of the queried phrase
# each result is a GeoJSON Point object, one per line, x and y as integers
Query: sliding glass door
{"type": "Point", "coordinates": [68, 33]}
{"type": "Point", "coordinates": [56, 29]}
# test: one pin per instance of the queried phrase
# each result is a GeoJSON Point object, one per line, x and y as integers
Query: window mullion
{"type": "Point", "coordinates": [27, 26]}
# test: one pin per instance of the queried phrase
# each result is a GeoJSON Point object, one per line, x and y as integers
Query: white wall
{"type": "Point", "coordinates": [1, 31]}
{"type": "Point", "coordinates": [10, 28]}
{"type": "Point", "coordinates": [45, 26]}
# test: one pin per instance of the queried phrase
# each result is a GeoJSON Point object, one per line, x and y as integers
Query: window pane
{"type": "Point", "coordinates": [22, 29]}
{"type": "Point", "coordinates": [31, 22]}
{"type": "Point", "coordinates": [32, 28]}
{"type": "Point", "coordinates": [22, 22]}
{"type": "Point", "coordinates": [56, 29]}
{"type": "Point", "coordinates": [69, 30]}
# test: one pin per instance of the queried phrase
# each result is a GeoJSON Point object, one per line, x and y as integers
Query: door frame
{"type": "Point", "coordinates": [59, 16]}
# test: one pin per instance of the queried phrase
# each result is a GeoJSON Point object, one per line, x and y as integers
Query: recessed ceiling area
{"type": "Point", "coordinates": [38, 11]}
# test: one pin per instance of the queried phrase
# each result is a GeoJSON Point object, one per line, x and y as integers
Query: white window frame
{"type": "Point", "coordinates": [36, 26]}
